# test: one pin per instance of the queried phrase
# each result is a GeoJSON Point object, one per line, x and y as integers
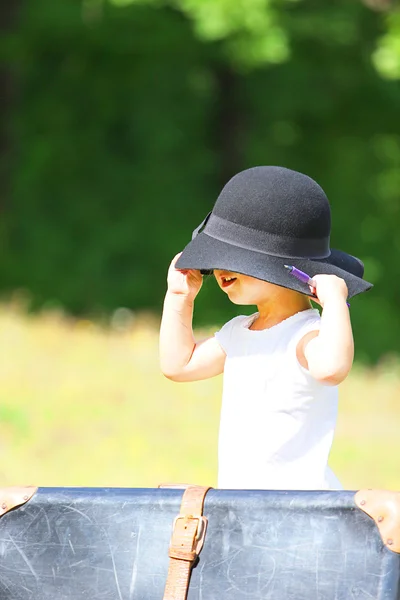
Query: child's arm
{"type": "Point", "coordinates": [181, 357]}
{"type": "Point", "coordinates": [328, 353]}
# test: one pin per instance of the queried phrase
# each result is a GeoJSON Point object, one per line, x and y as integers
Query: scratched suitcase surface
{"type": "Point", "coordinates": [112, 544]}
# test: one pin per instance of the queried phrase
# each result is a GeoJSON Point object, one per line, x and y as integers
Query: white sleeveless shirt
{"type": "Point", "coordinates": [277, 421]}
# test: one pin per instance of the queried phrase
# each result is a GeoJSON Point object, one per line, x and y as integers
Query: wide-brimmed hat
{"type": "Point", "coordinates": [264, 218]}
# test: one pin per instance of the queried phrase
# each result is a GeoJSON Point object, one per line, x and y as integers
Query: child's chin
{"type": "Point", "coordinates": [240, 301]}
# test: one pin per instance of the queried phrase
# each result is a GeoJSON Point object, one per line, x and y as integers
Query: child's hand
{"type": "Point", "coordinates": [328, 287]}
{"type": "Point", "coordinates": [184, 283]}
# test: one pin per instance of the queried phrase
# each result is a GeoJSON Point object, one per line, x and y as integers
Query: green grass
{"type": "Point", "coordinates": [82, 405]}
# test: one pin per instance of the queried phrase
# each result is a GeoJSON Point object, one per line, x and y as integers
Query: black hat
{"type": "Point", "coordinates": [264, 218]}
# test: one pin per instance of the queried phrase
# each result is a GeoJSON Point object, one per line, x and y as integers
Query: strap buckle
{"type": "Point", "coordinates": [183, 547]}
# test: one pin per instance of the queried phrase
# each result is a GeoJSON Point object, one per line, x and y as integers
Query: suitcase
{"type": "Point", "coordinates": [113, 544]}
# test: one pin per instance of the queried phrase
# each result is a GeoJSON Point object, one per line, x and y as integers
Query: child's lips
{"type": "Point", "coordinates": [227, 281]}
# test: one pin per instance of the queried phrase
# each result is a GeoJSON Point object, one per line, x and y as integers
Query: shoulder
{"type": "Point", "coordinates": [306, 329]}
{"type": "Point", "coordinates": [301, 346]}
{"type": "Point", "coordinates": [306, 334]}
{"type": "Point", "coordinates": [237, 321]}
{"type": "Point", "coordinates": [307, 322]}
{"type": "Point", "coordinates": [228, 331]}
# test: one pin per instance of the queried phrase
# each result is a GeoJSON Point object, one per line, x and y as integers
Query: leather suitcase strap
{"type": "Point", "coordinates": [186, 542]}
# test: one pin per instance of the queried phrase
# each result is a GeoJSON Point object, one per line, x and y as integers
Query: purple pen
{"type": "Point", "coordinates": [301, 276]}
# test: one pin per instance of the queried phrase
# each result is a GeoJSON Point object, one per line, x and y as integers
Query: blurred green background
{"type": "Point", "coordinates": [121, 121]}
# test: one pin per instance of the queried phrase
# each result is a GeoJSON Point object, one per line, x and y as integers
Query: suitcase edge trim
{"type": "Point", "coordinates": [383, 506]}
{"type": "Point", "coordinates": [13, 496]}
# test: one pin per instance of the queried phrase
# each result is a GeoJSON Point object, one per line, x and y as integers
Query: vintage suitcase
{"type": "Point", "coordinates": [113, 544]}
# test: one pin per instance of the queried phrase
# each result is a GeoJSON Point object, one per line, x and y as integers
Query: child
{"type": "Point", "coordinates": [282, 365]}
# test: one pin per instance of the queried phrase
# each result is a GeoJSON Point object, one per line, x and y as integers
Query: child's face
{"type": "Point", "coordinates": [246, 290]}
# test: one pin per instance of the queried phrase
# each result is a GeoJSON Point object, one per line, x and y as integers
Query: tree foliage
{"type": "Point", "coordinates": [255, 33]}
{"type": "Point", "coordinates": [250, 29]}
{"type": "Point", "coordinates": [127, 120]}
{"type": "Point", "coordinates": [387, 54]}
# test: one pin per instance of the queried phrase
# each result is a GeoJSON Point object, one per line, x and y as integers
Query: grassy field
{"type": "Point", "coordinates": [85, 405]}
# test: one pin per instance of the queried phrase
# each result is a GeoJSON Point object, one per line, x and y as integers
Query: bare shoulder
{"type": "Point", "coordinates": [302, 345]}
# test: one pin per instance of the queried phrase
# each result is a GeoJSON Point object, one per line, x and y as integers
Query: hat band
{"type": "Point", "coordinates": [263, 241]}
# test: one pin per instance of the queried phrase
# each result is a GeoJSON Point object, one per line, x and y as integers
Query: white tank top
{"type": "Point", "coordinates": [277, 421]}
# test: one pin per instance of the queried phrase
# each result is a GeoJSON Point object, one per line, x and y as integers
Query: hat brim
{"type": "Point", "coordinates": [206, 253]}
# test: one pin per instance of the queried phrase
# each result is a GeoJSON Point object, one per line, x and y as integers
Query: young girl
{"type": "Point", "coordinates": [282, 365]}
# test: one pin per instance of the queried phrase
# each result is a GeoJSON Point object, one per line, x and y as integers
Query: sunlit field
{"type": "Point", "coordinates": [85, 405]}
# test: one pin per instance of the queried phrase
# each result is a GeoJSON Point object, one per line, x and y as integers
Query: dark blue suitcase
{"type": "Point", "coordinates": [112, 544]}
